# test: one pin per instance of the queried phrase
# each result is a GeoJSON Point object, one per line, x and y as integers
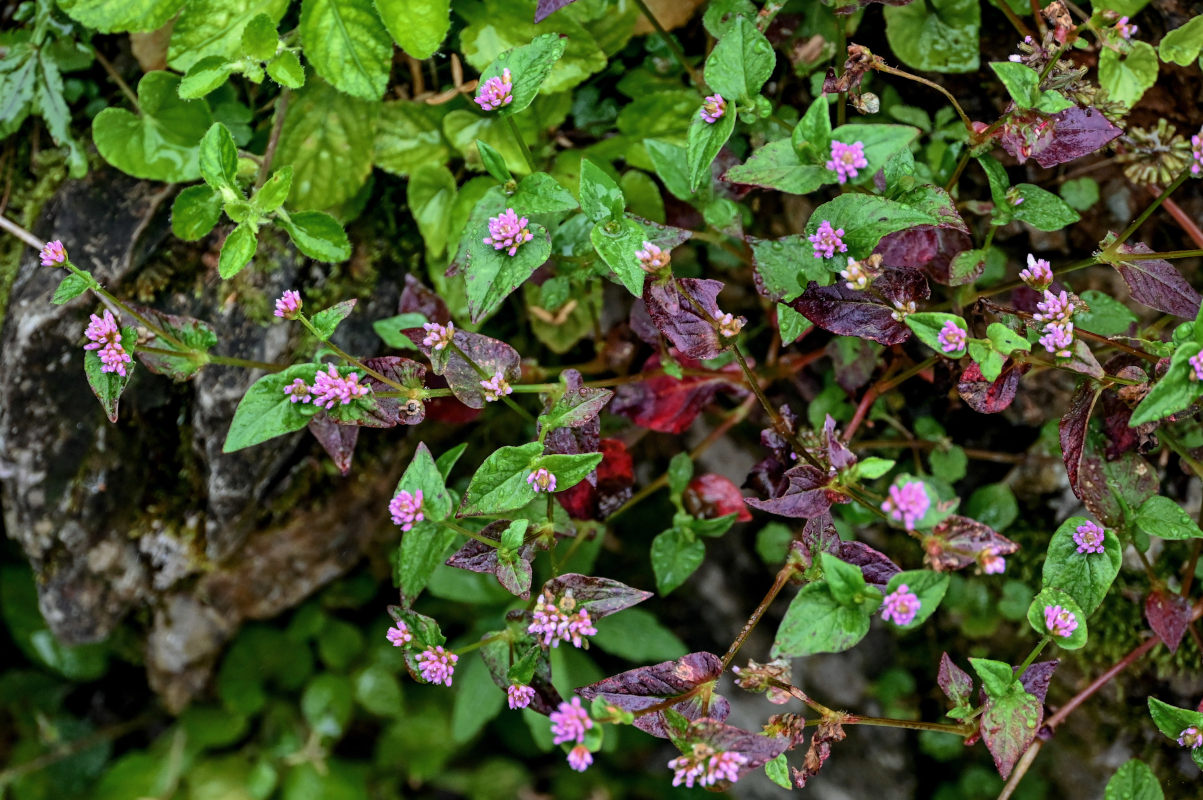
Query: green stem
{"type": "Point", "coordinates": [517, 134]}
{"type": "Point", "coordinates": [914, 725]}
{"type": "Point", "coordinates": [468, 648]}
{"type": "Point", "coordinates": [460, 529]}
{"type": "Point", "coordinates": [1027, 662]}
{"type": "Point", "coordinates": [672, 45]}
{"type": "Point", "coordinates": [1113, 248]}
{"type": "Point", "coordinates": [350, 359]}
{"type": "Point", "coordinates": [956, 173]}
{"type": "Point", "coordinates": [231, 361]}
{"type": "Point", "coordinates": [1169, 254]}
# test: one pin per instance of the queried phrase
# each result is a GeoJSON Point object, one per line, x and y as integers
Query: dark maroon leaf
{"type": "Point", "coordinates": [392, 411]}
{"type": "Point", "coordinates": [1036, 678]}
{"type": "Point", "coordinates": [1073, 424]}
{"type": "Point", "coordinates": [757, 749]}
{"type": "Point", "coordinates": [682, 310]}
{"type": "Point", "coordinates": [853, 360]}
{"type": "Point", "coordinates": [1168, 615]}
{"type": "Point", "coordinates": [499, 655]}
{"type": "Point", "coordinates": [1059, 138]}
{"type": "Point", "coordinates": [709, 496]}
{"type": "Point", "coordinates": [487, 353]}
{"type": "Point", "coordinates": [805, 498]}
{"type": "Point", "coordinates": [929, 248]}
{"type": "Point", "coordinates": [954, 682]}
{"type": "Point", "coordinates": [337, 440]}
{"type": "Point", "coordinates": [417, 299]}
{"type": "Point", "coordinates": [666, 404]}
{"type": "Point", "coordinates": [476, 556]}
{"type": "Point", "coordinates": [988, 397]}
{"type": "Point", "coordinates": [850, 312]}
{"type": "Point", "coordinates": [876, 566]}
{"type": "Point", "coordinates": [1157, 284]}
{"type": "Point", "coordinates": [601, 597]}
{"type": "Point", "coordinates": [1100, 481]}
{"type": "Point", "coordinates": [957, 542]}
{"type": "Point", "coordinates": [637, 689]}
{"type": "Point", "coordinates": [818, 536]}
{"type": "Point", "coordinates": [838, 456]}
{"type": "Point", "coordinates": [545, 8]}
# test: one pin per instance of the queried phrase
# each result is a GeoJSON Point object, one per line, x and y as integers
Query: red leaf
{"type": "Point", "coordinates": [956, 542]}
{"type": "Point", "coordinates": [1073, 424]}
{"type": "Point", "coordinates": [663, 403]}
{"type": "Point", "coordinates": [337, 440]}
{"type": "Point", "coordinates": [954, 682]}
{"type": "Point", "coordinates": [1008, 727]}
{"type": "Point", "coordinates": [643, 687]}
{"type": "Point", "coordinates": [754, 747]}
{"type": "Point", "coordinates": [875, 565]}
{"type": "Point", "coordinates": [1157, 284]}
{"type": "Point", "coordinates": [673, 306]}
{"type": "Point", "coordinates": [710, 495]}
{"type": "Point", "coordinates": [929, 248]}
{"type": "Point", "coordinates": [1037, 677]}
{"type": "Point", "coordinates": [614, 477]}
{"type": "Point", "coordinates": [1168, 615]}
{"type": "Point", "coordinates": [417, 299]}
{"type": "Point", "coordinates": [986, 397]}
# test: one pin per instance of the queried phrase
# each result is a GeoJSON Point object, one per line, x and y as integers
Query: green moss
{"type": "Point", "coordinates": [32, 186]}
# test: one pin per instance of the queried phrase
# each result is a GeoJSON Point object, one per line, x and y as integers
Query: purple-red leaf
{"type": "Point", "coordinates": [1059, 138]}
{"type": "Point", "coordinates": [1036, 678]}
{"type": "Point", "coordinates": [606, 489]}
{"type": "Point", "coordinates": [1168, 615]}
{"type": "Point", "coordinates": [875, 565]}
{"type": "Point", "coordinates": [954, 682]}
{"type": "Point", "coordinates": [476, 556]}
{"type": "Point", "coordinates": [637, 689]}
{"type": "Point", "coordinates": [754, 747]}
{"type": "Point", "coordinates": [806, 496]}
{"type": "Point", "coordinates": [682, 310]}
{"type": "Point", "coordinates": [867, 314]}
{"type": "Point", "coordinates": [709, 496]}
{"type": "Point", "coordinates": [1157, 284]}
{"type": "Point", "coordinates": [668, 405]}
{"type": "Point", "coordinates": [1099, 481]}
{"type": "Point", "coordinates": [545, 8]}
{"type": "Point", "coordinates": [930, 248]}
{"type": "Point", "coordinates": [1073, 425]}
{"type": "Point", "coordinates": [337, 440]}
{"type": "Point", "coordinates": [958, 541]}
{"type": "Point", "coordinates": [417, 299]}
{"type": "Point", "coordinates": [601, 597]}
{"type": "Point", "coordinates": [489, 354]}
{"type": "Point", "coordinates": [990, 397]}
{"type": "Point", "coordinates": [392, 411]}
{"type": "Point", "coordinates": [1008, 726]}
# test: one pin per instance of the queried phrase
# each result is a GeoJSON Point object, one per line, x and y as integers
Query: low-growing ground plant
{"type": "Point", "coordinates": [773, 221]}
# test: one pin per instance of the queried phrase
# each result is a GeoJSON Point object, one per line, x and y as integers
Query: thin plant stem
{"type": "Point", "coordinates": [517, 134]}
{"type": "Point", "coordinates": [1167, 255]}
{"type": "Point", "coordinates": [468, 648]}
{"type": "Point", "coordinates": [117, 79]}
{"type": "Point", "coordinates": [881, 67]}
{"type": "Point", "coordinates": [672, 45]}
{"type": "Point", "coordinates": [482, 373]}
{"type": "Point", "coordinates": [1027, 662]}
{"type": "Point", "coordinates": [1113, 248]}
{"type": "Point", "coordinates": [22, 234]}
{"type": "Point", "coordinates": [956, 173]}
{"type": "Point", "coordinates": [273, 139]}
{"type": "Point", "coordinates": [783, 576]}
{"type": "Point", "coordinates": [350, 359]}
{"type": "Point", "coordinates": [1185, 222]}
{"type": "Point", "coordinates": [465, 532]}
{"type": "Point", "coordinates": [910, 724]}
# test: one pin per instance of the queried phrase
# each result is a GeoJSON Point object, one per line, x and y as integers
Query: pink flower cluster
{"type": "Point", "coordinates": [519, 696]}
{"type": "Point", "coordinates": [579, 758]}
{"type": "Point", "coordinates": [289, 305]}
{"type": "Point", "coordinates": [496, 387]}
{"type": "Point", "coordinates": [1059, 621]}
{"type": "Point", "coordinates": [846, 159]}
{"type": "Point", "coordinates": [569, 722]}
{"type": "Point", "coordinates": [406, 509]}
{"type": "Point", "coordinates": [992, 563]}
{"type": "Point", "coordinates": [1089, 537]}
{"type": "Point", "coordinates": [438, 336]}
{"type": "Point", "coordinates": [399, 635]}
{"type": "Point", "coordinates": [1039, 273]}
{"type": "Point", "coordinates": [495, 92]}
{"type": "Point", "coordinates": [1196, 364]}
{"type": "Point", "coordinates": [900, 606]}
{"type": "Point", "coordinates": [1196, 152]}
{"type": "Point", "coordinates": [105, 336]}
{"type": "Point", "coordinates": [907, 503]}
{"type": "Point", "coordinates": [1056, 312]}
{"type": "Point", "coordinates": [561, 622]}
{"type": "Point", "coordinates": [53, 254]}
{"type": "Point", "coordinates": [1125, 29]}
{"type": "Point", "coordinates": [857, 277]}
{"type": "Point", "coordinates": [1191, 737]}
{"type": "Point", "coordinates": [437, 665]}
{"type": "Point", "coordinates": [706, 766]}
{"type": "Point", "coordinates": [541, 481]}
{"type": "Point", "coordinates": [730, 326]}
{"type": "Point", "coordinates": [652, 258]}
{"type": "Point", "coordinates": [328, 390]}
{"type": "Point", "coordinates": [952, 337]}
{"type": "Point", "coordinates": [826, 240]}
{"type": "Point", "coordinates": [298, 391]}
{"type": "Point", "coordinates": [713, 109]}
{"type": "Point", "coordinates": [508, 231]}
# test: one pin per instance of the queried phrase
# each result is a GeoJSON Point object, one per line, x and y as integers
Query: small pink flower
{"type": "Point", "coordinates": [437, 665]}
{"type": "Point", "coordinates": [846, 159]}
{"type": "Point", "coordinates": [713, 109]}
{"type": "Point", "coordinates": [53, 254]}
{"type": "Point", "coordinates": [289, 305]}
{"type": "Point", "coordinates": [706, 766]}
{"type": "Point", "coordinates": [579, 758]}
{"type": "Point", "coordinates": [857, 277]}
{"type": "Point", "coordinates": [730, 326]}
{"type": "Point", "coordinates": [519, 696]}
{"type": "Point", "coordinates": [1060, 622]}
{"type": "Point", "coordinates": [1039, 273]}
{"type": "Point", "coordinates": [907, 503]}
{"type": "Point", "coordinates": [541, 481]}
{"type": "Point", "coordinates": [1014, 197]}
{"type": "Point", "coordinates": [952, 337]}
{"type": "Point", "coordinates": [1054, 308]}
{"type": "Point", "coordinates": [900, 606]}
{"type": "Point", "coordinates": [406, 509]}
{"type": "Point", "coordinates": [1191, 737]}
{"type": "Point", "coordinates": [438, 336]}
{"type": "Point", "coordinates": [652, 258]}
{"type": "Point", "coordinates": [757, 677]}
{"type": "Point", "coordinates": [1196, 363]}
{"type": "Point", "coordinates": [330, 388]}
{"type": "Point", "coordinates": [496, 387]}
{"type": "Point", "coordinates": [1125, 29]}
{"type": "Point", "coordinates": [298, 391]}
{"type": "Point", "coordinates": [1089, 537]}
{"type": "Point", "coordinates": [992, 563]}
{"type": "Point", "coordinates": [508, 232]}
{"type": "Point", "coordinates": [569, 722]}
{"type": "Point", "coordinates": [560, 622]}
{"type": "Point", "coordinates": [399, 635]}
{"type": "Point", "coordinates": [1196, 152]}
{"type": "Point", "coordinates": [496, 92]}
{"type": "Point", "coordinates": [1058, 338]}
{"type": "Point", "coordinates": [826, 240]}
{"type": "Point", "coordinates": [105, 337]}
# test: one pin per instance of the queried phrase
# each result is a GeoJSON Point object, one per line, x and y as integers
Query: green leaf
{"type": "Point", "coordinates": [616, 242]}
{"type": "Point", "coordinates": [120, 16]}
{"type": "Point", "coordinates": [927, 325]}
{"type": "Point", "coordinates": [327, 138]}
{"type": "Point", "coordinates": [785, 266]}
{"type": "Point", "coordinates": [425, 546]}
{"type": "Point", "coordinates": [791, 324]}
{"type": "Point", "coordinates": [430, 194]}
{"type": "Point", "coordinates": [1005, 340]}
{"type": "Point", "coordinates": [993, 505]}
{"type": "Point", "coordinates": [777, 770]}
{"type": "Point", "coordinates": [865, 219]}
{"type": "Point", "coordinates": [929, 586]}
{"type": "Point", "coordinates": [499, 484]}
{"type": "Point", "coordinates": [378, 691]}
{"type": "Point", "coordinates": [1043, 210]}
{"type": "Point", "coordinates": [317, 235]}
{"type": "Point", "coordinates": [573, 409]}
{"type": "Point", "coordinates": [348, 45]}
{"type": "Point", "coordinates": [237, 251]}
{"type": "Point", "coordinates": [265, 412]}
{"type": "Point", "coordinates": [219, 159]}
{"type": "Point", "coordinates": [272, 194]}
{"type": "Point", "coordinates": [569, 469]}
{"type": "Point", "coordinates": [28, 630]}
{"type": "Point", "coordinates": [326, 704]}
{"type": "Point", "coordinates": [259, 38]}
{"type": "Point", "coordinates": [446, 462]}
{"type": "Point", "coordinates": [1134, 780]}
{"type": "Point", "coordinates": [214, 28]}
{"type": "Point", "coordinates": [1181, 46]}
{"type": "Point", "coordinates": [949, 464]}
{"type": "Point", "coordinates": [1105, 315]}
{"type": "Point", "coordinates": [668, 160]}
{"type": "Point", "coordinates": [162, 142]}
{"type": "Point", "coordinates": [637, 636]}
{"type": "Point", "coordinates": [881, 143]}
{"type": "Point", "coordinates": [494, 162]}
{"type": "Point", "coordinates": [325, 322]}
{"type": "Point", "coordinates": [1162, 517]}
{"type": "Point", "coordinates": [389, 329]}
{"type": "Point", "coordinates": [936, 35]}
{"type": "Point", "coordinates": [776, 165]}
{"type": "Point", "coordinates": [680, 471]}
{"type": "Point", "coordinates": [1056, 597]}
{"type": "Point", "coordinates": [71, 287]}
{"type": "Point", "coordinates": [845, 580]}
{"type": "Point", "coordinates": [417, 26]}
{"type": "Point", "coordinates": [204, 76]}
{"type": "Point", "coordinates": [987, 358]}
{"type": "Point", "coordinates": [539, 193]}
{"type": "Point", "coordinates": [601, 199]}
{"type": "Point", "coordinates": [529, 67]}
{"type": "Point", "coordinates": [1175, 391]}
{"type": "Point", "coordinates": [1022, 82]}
{"type": "Point", "coordinates": [493, 274]}
{"type": "Point", "coordinates": [179, 361]}
{"type": "Point", "coordinates": [286, 70]}
{"type": "Point", "coordinates": [1127, 78]}
{"type": "Point", "coordinates": [873, 467]}
{"type": "Point", "coordinates": [816, 622]}
{"type": "Point", "coordinates": [676, 554]}
{"type": "Point", "coordinates": [108, 386]}
{"type": "Point", "coordinates": [740, 63]}
{"type": "Point", "coordinates": [811, 137]}
{"type": "Point", "coordinates": [1086, 577]}
{"type": "Point", "coordinates": [1171, 720]}
{"type": "Point", "coordinates": [998, 679]}
{"type": "Point", "coordinates": [704, 142]}
{"type": "Point", "coordinates": [1052, 101]}
{"type": "Point", "coordinates": [409, 135]}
